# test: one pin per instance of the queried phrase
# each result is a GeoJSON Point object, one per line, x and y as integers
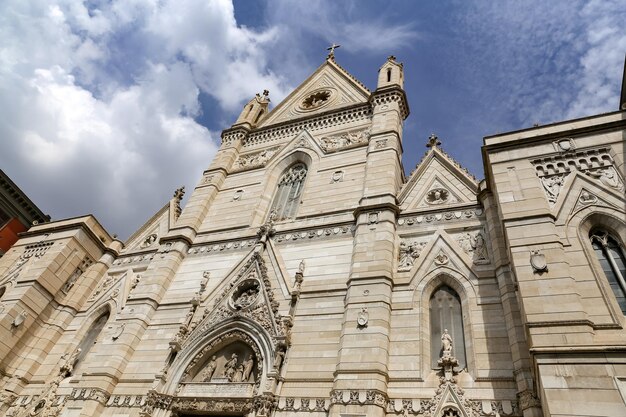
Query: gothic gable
{"type": "Point", "coordinates": [245, 294]}
{"type": "Point", "coordinates": [147, 236]}
{"type": "Point", "coordinates": [437, 182]}
{"type": "Point", "coordinates": [330, 87]}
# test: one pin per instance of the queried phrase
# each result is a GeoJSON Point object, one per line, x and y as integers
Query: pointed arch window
{"type": "Point", "coordinates": [446, 314]}
{"type": "Point", "coordinates": [91, 338]}
{"type": "Point", "coordinates": [611, 257]}
{"type": "Point", "coordinates": [287, 197]}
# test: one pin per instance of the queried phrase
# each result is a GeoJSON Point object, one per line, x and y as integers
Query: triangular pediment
{"type": "Point", "coordinates": [438, 181]}
{"type": "Point", "coordinates": [330, 87]}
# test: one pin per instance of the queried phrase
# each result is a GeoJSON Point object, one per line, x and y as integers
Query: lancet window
{"type": "Point", "coordinates": [446, 314]}
{"type": "Point", "coordinates": [91, 338]}
{"type": "Point", "coordinates": [612, 260]}
{"type": "Point", "coordinates": [287, 197]}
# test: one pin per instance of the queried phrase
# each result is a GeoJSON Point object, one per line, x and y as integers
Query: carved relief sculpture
{"type": "Point", "coordinates": [345, 140]}
{"type": "Point", "coordinates": [552, 185]}
{"type": "Point", "coordinates": [437, 196]}
{"type": "Point", "coordinates": [607, 176]}
{"type": "Point", "coordinates": [254, 159]}
{"type": "Point", "coordinates": [149, 240]}
{"type": "Point", "coordinates": [409, 252]}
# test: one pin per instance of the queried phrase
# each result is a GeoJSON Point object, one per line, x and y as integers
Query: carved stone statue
{"type": "Point", "coordinates": [238, 375]}
{"type": "Point", "coordinates": [247, 368]}
{"type": "Point", "coordinates": [209, 370]}
{"type": "Point", "coordinates": [178, 197]}
{"type": "Point", "coordinates": [278, 359]}
{"type": "Point", "coordinates": [301, 267]}
{"type": "Point", "coordinates": [68, 366]}
{"type": "Point", "coordinates": [446, 344]}
{"type": "Point", "coordinates": [231, 367]}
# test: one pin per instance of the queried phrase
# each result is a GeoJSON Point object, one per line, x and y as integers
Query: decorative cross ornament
{"type": "Point", "coordinates": [433, 141]}
{"type": "Point", "coordinates": [332, 48]}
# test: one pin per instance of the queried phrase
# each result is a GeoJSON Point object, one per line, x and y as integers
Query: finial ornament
{"type": "Point", "coordinates": [331, 54]}
{"type": "Point", "coordinates": [433, 141]}
{"type": "Point", "coordinates": [266, 93]}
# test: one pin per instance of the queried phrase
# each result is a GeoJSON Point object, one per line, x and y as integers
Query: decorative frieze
{"type": "Point", "coordinates": [314, 233]}
{"type": "Point", "coordinates": [254, 159]}
{"type": "Point", "coordinates": [129, 401]}
{"type": "Point", "coordinates": [134, 259]}
{"type": "Point", "coordinates": [440, 217]}
{"type": "Point", "coordinates": [336, 119]}
{"type": "Point", "coordinates": [303, 404]}
{"type": "Point", "coordinates": [345, 140]}
{"type": "Point", "coordinates": [220, 247]}
{"type": "Point", "coordinates": [95, 394]}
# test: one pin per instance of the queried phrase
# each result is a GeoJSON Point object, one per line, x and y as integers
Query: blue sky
{"type": "Point", "coordinates": [108, 106]}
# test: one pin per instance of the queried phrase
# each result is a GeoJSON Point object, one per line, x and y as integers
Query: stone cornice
{"type": "Point", "coordinates": [392, 93]}
{"type": "Point", "coordinates": [311, 123]}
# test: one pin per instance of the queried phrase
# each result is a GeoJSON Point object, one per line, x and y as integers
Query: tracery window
{"type": "Point", "coordinates": [446, 314]}
{"type": "Point", "coordinates": [611, 257]}
{"type": "Point", "coordinates": [287, 197]}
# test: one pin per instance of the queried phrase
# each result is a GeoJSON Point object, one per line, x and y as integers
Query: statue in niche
{"type": "Point", "coordinates": [209, 370]}
{"type": "Point", "coordinates": [247, 368]}
{"type": "Point", "coordinates": [231, 367]}
{"type": "Point", "coordinates": [446, 344]}
{"type": "Point", "coordinates": [279, 358]}
{"type": "Point", "coordinates": [238, 375]}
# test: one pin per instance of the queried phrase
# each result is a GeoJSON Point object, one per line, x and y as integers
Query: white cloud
{"type": "Point", "coordinates": [98, 104]}
{"type": "Point", "coordinates": [544, 61]}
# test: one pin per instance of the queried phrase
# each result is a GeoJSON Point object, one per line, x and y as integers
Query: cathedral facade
{"type": "Point", "coordinates": [308, 276]}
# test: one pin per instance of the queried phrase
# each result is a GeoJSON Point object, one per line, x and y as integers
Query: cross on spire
{"type": "Point", "coordinates": [332, 48]}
